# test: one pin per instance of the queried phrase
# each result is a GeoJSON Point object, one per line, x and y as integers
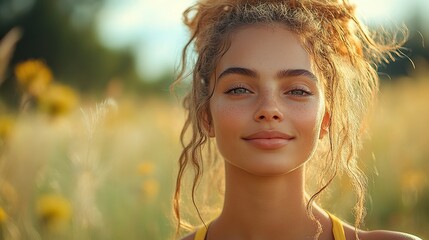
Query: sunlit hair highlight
{"type": "Point", "coordinates": [344, 54]}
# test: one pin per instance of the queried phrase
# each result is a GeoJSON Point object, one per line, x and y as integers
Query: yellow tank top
{"type": "Point", "coordinates": [337, 230]}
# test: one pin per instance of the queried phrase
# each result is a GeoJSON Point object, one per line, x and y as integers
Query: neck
{"type": "Point", "coordinates": [264, 207]}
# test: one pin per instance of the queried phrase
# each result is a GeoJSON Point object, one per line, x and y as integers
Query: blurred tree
{"type": "Point", "coordinates": [415, 48]}
{"type": "Point", "coordinates": [61, 32]}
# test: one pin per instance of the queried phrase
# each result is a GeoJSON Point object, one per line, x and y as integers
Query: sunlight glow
{"type": "Point", "coordinates": [154, 29]}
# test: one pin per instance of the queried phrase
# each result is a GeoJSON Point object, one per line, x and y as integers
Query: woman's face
{"type": "Point", "coordinates": [268, 107]}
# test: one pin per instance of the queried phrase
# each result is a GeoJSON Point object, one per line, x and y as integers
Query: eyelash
{"type": "Point", "coordinates": [302, 92]}
{"type": "Point", "coordinates": [230, 90]}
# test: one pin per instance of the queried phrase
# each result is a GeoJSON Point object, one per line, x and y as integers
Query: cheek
{"type": "Point", "coordinates": [226, 116]}
{"type": "Point", "coordinates": [307, 117]}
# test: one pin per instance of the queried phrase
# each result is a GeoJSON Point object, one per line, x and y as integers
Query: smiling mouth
{"type": "Point", "coordinates": [269, 140]}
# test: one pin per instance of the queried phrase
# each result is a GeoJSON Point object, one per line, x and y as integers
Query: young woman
{"type": "Point", "coordinates": [279, 86]}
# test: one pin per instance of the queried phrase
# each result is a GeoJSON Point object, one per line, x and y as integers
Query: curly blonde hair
{"type": "Point", "coordinates": [345, 55]}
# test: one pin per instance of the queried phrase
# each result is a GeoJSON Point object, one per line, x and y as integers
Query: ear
{"type": "Point", "coordinates": [209, 128]}
{"type": "Point", "coordinates": [326, 122]}
{"type": "Point", "coordinates": [208, 125]}
{"type": "Point", "coordinates": [211, 131]}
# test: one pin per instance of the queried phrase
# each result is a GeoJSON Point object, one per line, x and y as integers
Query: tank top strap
{"type": "Point", "coordinates": [201, 233]}
{"type": "Point", "coordinates": [337, 228]}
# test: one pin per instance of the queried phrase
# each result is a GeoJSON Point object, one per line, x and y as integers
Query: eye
{"type": "Point", "coordinates": [238, 91]}
{"type": "Point", "coordinates": [299, 92]}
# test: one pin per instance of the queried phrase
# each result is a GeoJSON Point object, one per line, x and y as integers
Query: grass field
{"type": "Point", "coordinates": [72, 168]}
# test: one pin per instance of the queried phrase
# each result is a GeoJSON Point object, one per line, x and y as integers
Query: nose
{"type": "Point", "coordinates": [268, 110]}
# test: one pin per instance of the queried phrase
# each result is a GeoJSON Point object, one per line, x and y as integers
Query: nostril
{"type": "Point", "coordinates": [273, 117]}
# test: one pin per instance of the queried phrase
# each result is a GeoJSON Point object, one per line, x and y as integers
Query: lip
{"type": "Point", "coordinates": [268, 140]}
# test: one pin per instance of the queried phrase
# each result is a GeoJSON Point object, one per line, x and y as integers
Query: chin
{"type": "Point", "coordinates": [274, 172]}
{"type": "Point", "coordinates": [268, 168]}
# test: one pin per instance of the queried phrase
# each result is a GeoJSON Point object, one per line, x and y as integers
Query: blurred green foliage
{"type": "Point", "coordinates": [415, 48]}
{"type": "Point", "coordinates": [62, 33]}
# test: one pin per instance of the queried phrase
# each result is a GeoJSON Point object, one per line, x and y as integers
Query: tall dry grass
{"type": "Point", "coordinates": [396, 159]}
{"type": "Point", "coordinates": [106, 170]}
{"type": "Point", "coordinates": [399, 153]}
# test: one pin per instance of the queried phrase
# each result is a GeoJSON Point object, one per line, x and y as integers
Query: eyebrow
{"type": "Point", "coordinates": [239, 71]}
{"type": "Point", "coordinates": [296, 73]}
{"type": "Point", "coordinates": [281, 74]}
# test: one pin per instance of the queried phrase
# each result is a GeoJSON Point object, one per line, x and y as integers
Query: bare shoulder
{"type": "Point", "coordinates": [388, 235]}
{"type": "Point", "coordinates": [189, 237]}
{"type": "Point", "coordinates": [377, 234]}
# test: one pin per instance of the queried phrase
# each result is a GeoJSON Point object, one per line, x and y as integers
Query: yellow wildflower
{"type": "Point", "coordinates": [54, 211]}
{"type": "Point", "coordinates": [150, 188]}
{"type": "Point", "coordinates": [3, 216]}
{"type": "Point", "coordinates": [33, 76]}
{"type": "Point", "coordinates": [58, 100]}
{"type": "Point", "coordinates": [6, 127]}
{"type": "Point", "coordinates": [146, 168]}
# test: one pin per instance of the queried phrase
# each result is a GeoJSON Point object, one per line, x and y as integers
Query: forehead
{"type": "Point", "coordinates": [265, 47]}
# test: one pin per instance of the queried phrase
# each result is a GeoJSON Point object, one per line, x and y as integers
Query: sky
{"type": "Point", "coordinates": [156, 35]}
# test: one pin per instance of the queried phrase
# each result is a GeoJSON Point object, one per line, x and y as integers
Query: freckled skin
{"type": "Point", "coordinates": [233, 117]}
{"type": "Point", "coordinates": [266, 82]}
{"type": "Point", "coordinates": [265, 194]}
